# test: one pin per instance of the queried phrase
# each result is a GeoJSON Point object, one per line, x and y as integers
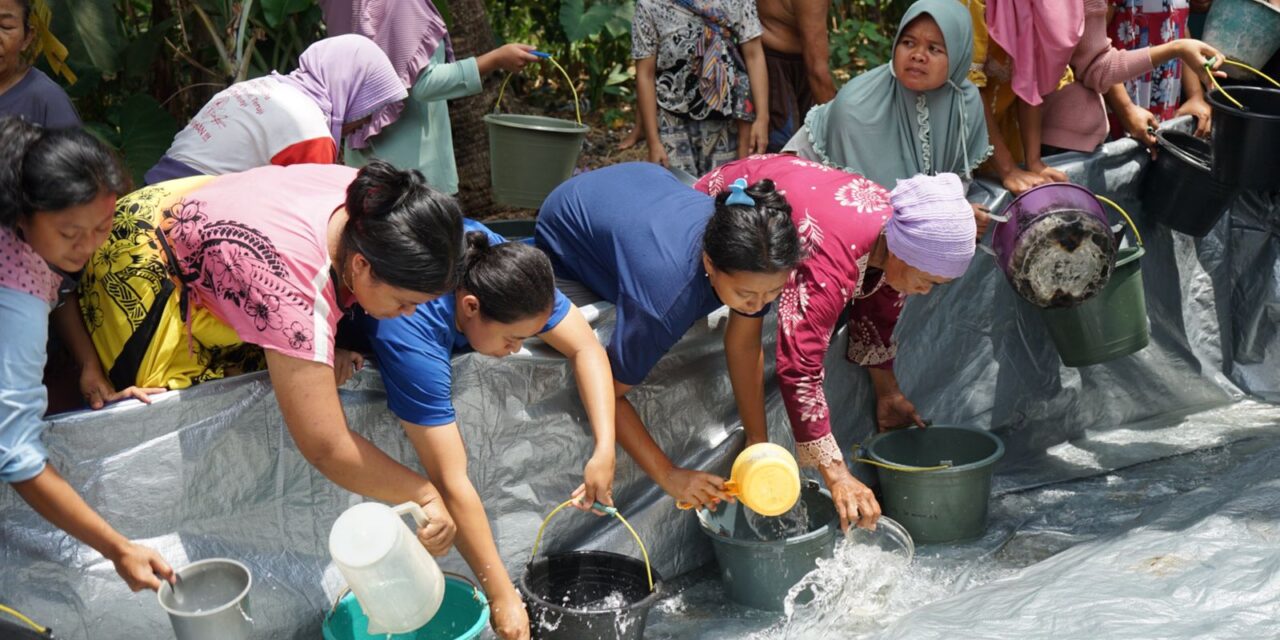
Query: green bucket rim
{"type": "Point", "coordinates": [500, 119]}
{"type": "Point", "coordinates": [450, 578]}
{"type": "Point", "coordinates": [870, 448]}
{"type": "Point", "coordinates": [1126, 255]}
{"type": "Point", "coordinates": [828, 528]}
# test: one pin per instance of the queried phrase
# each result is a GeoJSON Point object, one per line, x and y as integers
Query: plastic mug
{"type": "Point", "coordinates": [397, 582]}
{"type": "Point", "coordinates": [766, 478]}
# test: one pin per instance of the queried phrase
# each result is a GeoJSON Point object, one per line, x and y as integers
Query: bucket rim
{"type": "Point", "coordinates": [643, 603]}
{"type": "Point", "coordinates": [1177, 151]}
{"type": "Point", "coordinates": [831, 526]}
{"type": "Point", "coordinates": [498, 119]}
{"type": "Point", "coordinates": [1215, 100]}
{"type": "Point", "coordinates": [208, 612]}
{"type": "Point", "coordinates": [477, 594]}
{"type": "Point", "coordinates": [995, 456]}
{"type": "Point", "coordinates": [1130, 254]}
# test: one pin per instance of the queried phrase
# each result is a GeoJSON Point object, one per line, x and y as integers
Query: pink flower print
{"type": "Point", "coordinates": [793, 303]}
{"type": "Point", "coordinates": [715, 183]}
{"type": "Point", "coordinates": [812, 398]}
{"type": "Point", "coordinates": [863, 195]}
{"type": "Point", "coordinates": [299, 336]}
{"type": "Point", "coordinates": [187, 218]}
{"type": "Point", "coordinates": [264, 308]}
{"type": "Point", "coordinates": [810, 234]}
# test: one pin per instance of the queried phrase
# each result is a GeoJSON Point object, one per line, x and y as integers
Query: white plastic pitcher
{"type": "Point", "coordinates": [396, 581]}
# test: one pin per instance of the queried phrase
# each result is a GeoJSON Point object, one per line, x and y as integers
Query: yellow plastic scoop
{"type": "Point", "coordinates": [765, 477]}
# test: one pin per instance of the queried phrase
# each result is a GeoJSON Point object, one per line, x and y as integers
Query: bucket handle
{"type": "Point", "coordinates": [1208, 65]}
{"type": "Point", "coordinates": [613, 511]}
{"type": "Point", "coordinates": [577, 107]}
{"type": "Point", "coordinates": [889, 465]}
{"type": "Point", "coordinates": [21, 618]}
{"type": "Point", "coordinates": [475, 588]}
{"type": "Point", "coordinates": [1123, 214]}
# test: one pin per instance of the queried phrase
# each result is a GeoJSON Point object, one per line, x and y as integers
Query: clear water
{"type": "Point", "coordinates": [615, 600]}
{"type": "Point", "coordinates": [788, 525]}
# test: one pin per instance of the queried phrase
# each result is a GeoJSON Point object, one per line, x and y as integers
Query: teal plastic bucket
{"type": "Point", "coordinates": [1244, 30]}
{"type": "Point", "coordinates": [758, 573]}
{"type": "Point", "coordinates": [1110, 325]}
{"type": "Point", "coordinates": [463, 615]}
{"type": "Point", "coordinates": [936, 504]}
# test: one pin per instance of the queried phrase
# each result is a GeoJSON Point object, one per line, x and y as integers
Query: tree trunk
{"type": "Point", "coordinates": [472, 36]}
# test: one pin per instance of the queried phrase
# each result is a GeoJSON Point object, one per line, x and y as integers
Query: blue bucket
{"type": "Point", "coordinates": [463, 615]}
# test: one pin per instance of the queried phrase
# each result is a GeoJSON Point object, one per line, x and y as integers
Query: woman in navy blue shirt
{"type": "Point", "coordinates": [666, 256]}
{"type": "Point", "coordinates": [507, 295]}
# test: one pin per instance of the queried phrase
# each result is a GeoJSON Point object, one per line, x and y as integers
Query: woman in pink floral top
{"type": "Point", "coordinates": [866, 249]}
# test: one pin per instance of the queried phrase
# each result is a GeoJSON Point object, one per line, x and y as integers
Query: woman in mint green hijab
{"type": "Point", "coordinates": [918, 114]}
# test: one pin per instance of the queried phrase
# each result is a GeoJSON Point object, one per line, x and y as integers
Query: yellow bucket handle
{"type": "Point", "coordinates": [577, 108]}
{"type": "Point", "coordinates": [1124, 214]}
{"type": "Point", "coordinates": [890, 466]}
{"type": "Point", "coordinates": [648, 567]}
{"type": "Point", "coordinates": [1208, 65]}
{"type": "Point", "coordinates": [17, 614]}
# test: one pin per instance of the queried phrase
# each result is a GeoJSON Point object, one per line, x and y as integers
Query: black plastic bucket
{"type": "Point", "coordinates": [588, 594]}
{"type": "Point", "coordinates": [1179, 190]}
{"type": "Point", "coordinates": [1246, 142]}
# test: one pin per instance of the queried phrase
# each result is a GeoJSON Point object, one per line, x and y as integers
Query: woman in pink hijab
{"type": "Point", "coordinates": [298, 118]}
{"type": "Point", "coordinates": [415, 134]}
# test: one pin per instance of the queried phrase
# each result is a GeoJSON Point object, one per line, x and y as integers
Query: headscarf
{"type": "Point", "coordinates": [349, 77]}
{"type": "Point", "coordinates": [872, 127]}
{"type": "Point", "coordinates": [1039, 37]}
{"type": "Point", "coordinates": [408, 31]}
{"type": "Point", "coordinates": [932, 226]}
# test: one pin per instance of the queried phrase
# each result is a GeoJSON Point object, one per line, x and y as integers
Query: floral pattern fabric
{"type": "Point", "coordinates": [1144, 23]}
{"type": "Point", "coordinates": [697, 73]}
{"type": "Point", "coordinates": [22, 269]}
{"type": "Point", "coordinates": [839, 216]}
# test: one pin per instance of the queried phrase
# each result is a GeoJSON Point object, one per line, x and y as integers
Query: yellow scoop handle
{"type": "Point", "coordinates": [730, 487]}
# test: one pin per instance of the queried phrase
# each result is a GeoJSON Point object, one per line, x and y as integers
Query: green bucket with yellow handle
{"type": "Point", "coordinates": [936, 481]}
{"type": "Point", "coordinates": [1110, 325]}
{"type": "Point", "coordinates": [529, 155]}
{"type": "Point", "coordinates": [463, 615]}
{"type": "Point", "coordinates": [589, 594]}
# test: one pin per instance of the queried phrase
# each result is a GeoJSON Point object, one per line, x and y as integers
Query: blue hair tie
{"type": "Point", "coordinates": [738, 194]}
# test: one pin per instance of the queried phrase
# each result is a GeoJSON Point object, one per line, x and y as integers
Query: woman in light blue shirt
{"type": "Point", "coordinates": [57, 195]}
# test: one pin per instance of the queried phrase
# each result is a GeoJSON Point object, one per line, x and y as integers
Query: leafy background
{"type": "Point", "coordinates": [145, 66]}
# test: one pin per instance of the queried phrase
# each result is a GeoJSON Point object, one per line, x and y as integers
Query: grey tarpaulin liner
{"type": "Point", "coordinates": [212, 472]}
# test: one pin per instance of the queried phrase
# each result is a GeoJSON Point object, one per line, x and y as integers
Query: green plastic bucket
{"type": "Point", "coordinates": [519, 229]}
{"type": "Point", "coordinates": [529, 156]}
{"type": "Point", "coordinates": [936, 482]}
{"type": "Point", "coordinates": [463, 615]}
{"type": "Point", "coordinates": [1111, 325]}
{"type": "Point", "coordinates": [1244, 30]}
{"type": "Point", "coordinates": [758, 573]}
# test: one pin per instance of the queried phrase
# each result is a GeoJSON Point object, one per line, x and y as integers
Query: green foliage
{"type": "Point", "coordinates": [275, 11]}
{"type": "Point", "coordinates": [861, 36]}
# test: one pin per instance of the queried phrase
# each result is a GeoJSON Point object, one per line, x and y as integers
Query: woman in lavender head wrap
{"type": "Point", "coordinates": [415, 134]}
{"type": "Point", "coordinates": [867, 249]}
{"type": "Point", "coordinates": [298, 118]}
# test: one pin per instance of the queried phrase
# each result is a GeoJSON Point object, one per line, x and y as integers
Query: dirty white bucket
{"type": "Point", "coordinates": [210, 601]}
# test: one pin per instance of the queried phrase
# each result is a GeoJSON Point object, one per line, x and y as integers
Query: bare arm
{"type": "Point", "coordinates": [574, 338]}
{"type": "Point", "coordinates": [647, 103]}
{"type": "Point", "coordinates": [1138, 122]}
{"type": "Point", "coordinates": [758, 74]}
{"type": "Point", "coordinates": [56, 501]}
{"type": "Point", "coordinates": [309, 402]}
{"type": "Point", "coordinates": [686, 486]}
{"type": "Point", "coordinates": [445, 458]}
{"type": "Point", "coordinates": [745, 357]}
{"type": "Point", "coordinates": [811, 22]}
{"type": "Point", "coordinates": [1013, 177]}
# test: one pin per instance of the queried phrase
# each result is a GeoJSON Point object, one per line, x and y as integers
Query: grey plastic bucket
{"type": "Point", "coordinates": [210, 601]}
{"type": "Point", "coordinates": [1244, 30]}
{"type": "Point", "coordinates": [759, 573]}
{"type": "Point", "coordinates": [942, 505]}
{"type": "Point", "coordinates": [529, 156]}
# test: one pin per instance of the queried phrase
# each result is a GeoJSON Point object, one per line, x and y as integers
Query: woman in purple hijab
{"type": "Point", "coordinates": [415, 134]}
{"type": "Point", "coordinates": [299, 118]}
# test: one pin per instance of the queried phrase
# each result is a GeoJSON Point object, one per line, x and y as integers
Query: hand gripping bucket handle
{"type": "Point", "coordinates": [1208, 65]}
{"type": "Point", "coordinates": [577, 107]}
{"type": "Point", "coordinates": [648, 567]}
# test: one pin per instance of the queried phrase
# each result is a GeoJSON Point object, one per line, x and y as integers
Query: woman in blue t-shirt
{"type": "Point", "coordinates": [507, 295]}
{"type": "Point", "coordinates": [666, 256]}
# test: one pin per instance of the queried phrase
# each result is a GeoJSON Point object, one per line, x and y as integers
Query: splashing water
{"type": "Point", "coordinates": [615, 600]}
{"type": "Point", "coordinates": [794, 522]}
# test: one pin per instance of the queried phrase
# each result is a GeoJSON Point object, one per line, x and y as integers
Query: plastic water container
{"type": "Point", "coordinates": [766, 478]}
{"type": "Point", "coordinates": [398, 584]}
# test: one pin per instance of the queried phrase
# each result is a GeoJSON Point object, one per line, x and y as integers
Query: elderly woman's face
{"type": "Point", "coordinates": [907, 279]}
{"type": "Point", "coordinates": [920, 56]}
